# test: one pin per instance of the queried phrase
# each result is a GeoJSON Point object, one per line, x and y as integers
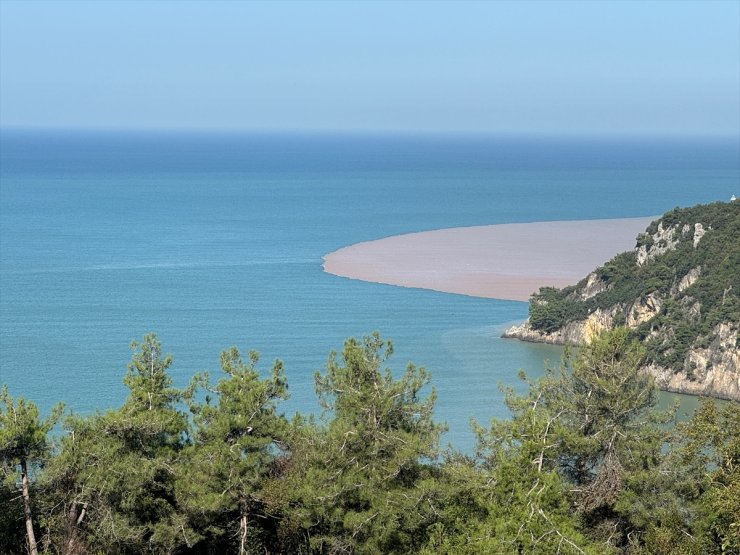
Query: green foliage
{"type": "Point", "coordinates": [708, 448]}
{"type": "Point", "coordinates": [585, 465]}
{"type": "Point", "coordinates": [570, 456]}
{"type": "Point", "coordinates": [23, 435]}
{"type": "Point", "coordinates": [115, 472]}
{"type": "Point", "coordinates": [548, 311]}
{"type": "Point", "coordinates": [224, 487]}
{"type": "Point", "coordinates": [24, 447]}
{"type": "Point", "coordinates": [675, 328]}
{"type": "Point", "coordinates": [614, 434]}
{"type": "Point", "coordinates": [360, 480]}
{"type": "Point", "coordinates": [12, 533]}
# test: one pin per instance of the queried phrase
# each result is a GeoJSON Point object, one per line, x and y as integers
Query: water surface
{"type": "Point", "coordinates": [213, 240]}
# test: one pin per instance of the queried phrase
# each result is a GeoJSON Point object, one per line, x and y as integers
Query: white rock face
{"type": "Point", "coordinates": [712, 371]}
{"type": "Point", "coordinates": [642, 255]}
{"type": "Point", "coordinates": [593, 287]}
{"type": "Point", "coordinates": [688, 280]}
{"type": "Point", "coordinates": [664, 240]}
{"type": "Point", "coordinates": [643, 310]}
{"type": "Point", "coordinates": [699, 232]}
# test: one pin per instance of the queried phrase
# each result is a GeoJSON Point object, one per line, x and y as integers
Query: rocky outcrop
{"type": "Point", "coordinates": [573, 333]}
{"type": "Point", "coordinates": [594, 286]}
{"type": "Point", "coordinates": [660, 242]}
{"type": "Point", "coordinates": [582, 331]}
{"type": "Point", "coordinates": [643, 310]}
{"type": "Point", "coordinates": [714, 370]}
{"type": "Point", "coordinates": [688, 280]}
{"type": "Point", "coordinates": [699, 232]}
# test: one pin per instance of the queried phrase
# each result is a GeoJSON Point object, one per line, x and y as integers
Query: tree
{"type": "Point", "coordinates": [23, 441]}
{"type": "Point", "coordinates": [612, 434]}
{"type": "Point", "coordinates": [704, 470]}
{"type": "Point", "coordinates": [238, 445]}
{"type": "Point", "coordinates": [582, 466]}
{"type": "Point", "coordinates": [360, 480]}
{"type": "Point", "coordinates": [547, 312]}
{"type": "Point", "coordinates": [570, 461]}
{"type": "Point", "coordinates": [115, 472]}
{"type": "Point", "coordinates": [606, 403]}
{"type": "Point", "coordinates": [510, 497]}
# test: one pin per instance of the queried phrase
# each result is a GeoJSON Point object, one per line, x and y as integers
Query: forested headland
{"type": "Point", "coordinates": [585, 464]}
{"type": "Point", "coordinates": [678, 292]}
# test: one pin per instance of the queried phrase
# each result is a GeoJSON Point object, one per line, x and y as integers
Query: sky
{"type": "Point", "coordinates": [655, 68]}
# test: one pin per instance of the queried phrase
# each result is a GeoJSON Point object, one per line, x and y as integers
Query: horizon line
{"type": "Point", "coordinates": [363, 132]}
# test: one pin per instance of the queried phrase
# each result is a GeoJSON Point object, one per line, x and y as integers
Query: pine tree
{"type": "Point", "coordinates": [510, 497]}
{"type": "Point", "coordinates": [571, 461]}
{"type": "Point", "coordinates": [239, 442]}
{"type": "Point", "coordinates": [704, 466]}
{"type": "Point", "coordinates": [24, 443]}
{"type": "Point", "coordinates": [115, 473]}
{"type": "Point", "coordinates": [360, 479]}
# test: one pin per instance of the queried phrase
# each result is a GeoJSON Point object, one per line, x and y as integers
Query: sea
{"type": "Point", "coordinates": [214, 239]}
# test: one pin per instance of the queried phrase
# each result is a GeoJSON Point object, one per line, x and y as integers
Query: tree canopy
{"type": "Point", "coordinates": [584, 465]}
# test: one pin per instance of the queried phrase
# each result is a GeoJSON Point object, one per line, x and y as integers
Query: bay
{"type": "Point", "coordinates": [216, 239]}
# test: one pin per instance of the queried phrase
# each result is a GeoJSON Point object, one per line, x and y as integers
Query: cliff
{"type": "Point", "coordinates": [678, 291]}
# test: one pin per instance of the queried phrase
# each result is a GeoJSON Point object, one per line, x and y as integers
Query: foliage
{"type": "Point", "coordinates": [361, 480]}
{"type": "Point", "coordinates": [114, 474]}
{"type": "Point", "coordinates": [613, 434]}
{"type": "Point", "coordinates": [560, 475]}
{"type": "Point", "coordinates": [549, 312]}
{"type": "Point", "coordinates": [23, 444]}
{"type": "Point", "coordinates": [585, 465]}
{"type": "Point", "coordinates": [708, 451]}
{"type": "Point", "coordinates": [686, 318]}
{"type": "Point", "coordinates": [238, 445]}
{"type": "Point", "coordinates": [23, 435]}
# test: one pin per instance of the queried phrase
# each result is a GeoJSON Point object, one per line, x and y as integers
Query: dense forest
{"type": "Point", "coordinates": [674, 290]}
{"type": "Point", "coordinates": [585, 464]}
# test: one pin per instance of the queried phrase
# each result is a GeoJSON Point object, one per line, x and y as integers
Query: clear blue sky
{"type": "Point", "coordinates": [526, 67]}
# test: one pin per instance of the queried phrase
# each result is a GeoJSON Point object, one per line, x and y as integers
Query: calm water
{"type": "Point", "coordinates": [216, 240]}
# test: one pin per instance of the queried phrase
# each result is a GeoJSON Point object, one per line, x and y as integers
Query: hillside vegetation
{"type": "Point", "coordinates": [678, 291]}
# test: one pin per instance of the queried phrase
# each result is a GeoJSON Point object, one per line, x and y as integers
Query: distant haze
{"type": "Point", "coordinates": [668, 68]}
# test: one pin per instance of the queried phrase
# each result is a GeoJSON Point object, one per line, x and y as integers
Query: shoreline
{"type": "Point", "coordinates": [501, 261]}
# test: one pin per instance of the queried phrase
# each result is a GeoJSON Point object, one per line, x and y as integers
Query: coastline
{"type": "Point", "coordinates": [502, 261]}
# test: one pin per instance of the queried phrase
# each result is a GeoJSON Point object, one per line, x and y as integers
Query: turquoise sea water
{"type": "Point", "coordinates": [213, 240]}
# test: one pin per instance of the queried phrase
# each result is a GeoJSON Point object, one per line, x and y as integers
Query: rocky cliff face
{"type": "Point", "coordinates": [712, 371]}
{"type": "Point", "coordinates": [662, 241]}
{"type": "Point", "coordinates": [573, 333]}
{"type": "Point", "coordinates": [663, 311]}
